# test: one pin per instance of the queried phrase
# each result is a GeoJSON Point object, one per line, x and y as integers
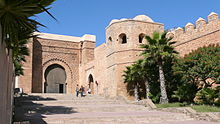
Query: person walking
{"type": "Point", "coordinates": [82, 91]}
{"type": "Point", "coordinates": [77, 90]}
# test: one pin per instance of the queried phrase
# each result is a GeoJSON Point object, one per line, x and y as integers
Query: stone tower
{"type": "Point", "coordinates": [123, 39]}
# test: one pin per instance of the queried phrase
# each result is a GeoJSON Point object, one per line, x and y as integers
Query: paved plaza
{"type": "Point", "coordinates": [68, 109]}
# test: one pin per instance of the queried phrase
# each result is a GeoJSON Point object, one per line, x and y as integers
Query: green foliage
{"type": "Point", "coordinates": [186, 92]}
{"type": "Point", "coordinates": [197, 70]}
{"type": "Point", "coordinates": [158, 51]}
{"type": "Point", "coordinates": [206, 108]}
{"type": "Point", "coordinates": [176, 104]}
{"type": "Point", "coordinates": [208, 96]}
{"type": "Point", "coordinates": [17, 26]}
{"type": "Point", "coordinates": [20, 50]}
{"type": "Point", "coordinates": [134, 75]}
{"type": "Point", "coordinates": [198, 108]}
{"type": "Point", "coordinates": [158, 48]}
{"type": "Point", "coordinates": [155, 96]}
{"type": "Point", "coordinates": [15, 15]}
{"type": "Point", "coordinates": [201, 65]}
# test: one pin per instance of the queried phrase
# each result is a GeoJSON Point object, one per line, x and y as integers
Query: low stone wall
{"type": "Point", "coordinates": [6, 85]}
{"type": "Point", "coordinates": [207, 116]}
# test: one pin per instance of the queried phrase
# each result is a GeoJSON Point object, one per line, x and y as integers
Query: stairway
{"type": "Point", "coordinates": [69, 109]}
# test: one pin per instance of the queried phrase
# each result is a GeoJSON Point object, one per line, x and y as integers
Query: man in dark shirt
{"type": "Point", "coordinates": [77, 90]}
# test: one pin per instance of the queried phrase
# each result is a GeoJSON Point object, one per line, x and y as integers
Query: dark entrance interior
{"type": "Point", "coordinates": [91, 83]}
{"type": "Point", "coordinates": [55, 79]}
{"type": "Point", "coordinates": [61, 88]}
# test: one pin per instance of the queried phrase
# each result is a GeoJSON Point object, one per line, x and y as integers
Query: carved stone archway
{"type": "Point", "coordinates": [55, 79]}
{"type": "Point", "coordinates": [69, 75]}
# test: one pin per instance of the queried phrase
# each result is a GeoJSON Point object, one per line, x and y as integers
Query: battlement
{"type": "Point", "coordinates": [191, 31]}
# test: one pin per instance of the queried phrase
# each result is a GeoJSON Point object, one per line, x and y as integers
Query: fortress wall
{"type": "Point", "coordinates": [25, 81]}
{"type": "Point", "coordinates": [64, 53]}
{"type": "Point", "coordinates": [199, 35]}
{"type": "Point", "coordinates": [100, 69]}
{"type": "Point", "coordinates": [97, 68]}
{"type": "Point", "coordinates": [85, 70]}
{"type": "Point", "coordinates": [88, 51]}
{"type": "Point", "coordinates": [121, 55]}
{"type": "Point", "coordinates": [205, 40]}
{"type": "Point", "coordinates": [48, 52]}
{"type": "Point", "coordinates": [132, 29]}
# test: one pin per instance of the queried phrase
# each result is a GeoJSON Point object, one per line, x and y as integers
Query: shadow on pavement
{"type": "Point", "coordinates": [25, 110]}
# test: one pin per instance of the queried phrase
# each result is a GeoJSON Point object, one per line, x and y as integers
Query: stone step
{"type": "Point", "coordinates": [74, 102]}
{"type": "Point", "coordinates": [58, 108]}
{"type": "Point", "coordinates": [35, 96]}
{"type": "Point", "coordinates": [58, 94]}
{"type": "Point", "coordinates": [69, 109]}
{"type": "Point", "coordinates": [131, 121]}
{"type": "Point", "coordinates": [116, 118]}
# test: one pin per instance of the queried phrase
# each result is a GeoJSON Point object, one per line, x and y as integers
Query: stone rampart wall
{"type": "Point", "coordinates": [203, 33]}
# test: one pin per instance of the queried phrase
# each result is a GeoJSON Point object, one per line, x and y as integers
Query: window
{"type": "Point", "coordinates": [122, 38]}
{"type": "Point", "coordinates": [141, 37]}
{"type": "Point", "coordinates": [110, 39]}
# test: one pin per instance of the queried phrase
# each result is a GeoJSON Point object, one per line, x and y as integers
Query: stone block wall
{"type": "Point", "coordinates": [64, 53]}
{"type": "Point", "coordinates": [119, 55]}
{"type": "Point", "coordinates": [201, 34]}
{"type": "Point", "coordinates": [100, 71]}
{"type": "Point", "coordinates": [25, 81]}
{"type": "Point", "coordinates": [48, 49]}
{"type": "Point", "coordinates": [107, 62]}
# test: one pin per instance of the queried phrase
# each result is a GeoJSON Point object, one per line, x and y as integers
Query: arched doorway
{"type": "Point", "coordinates": [55, 79]}
{"type": "Point", "coordinates": [91, 83]}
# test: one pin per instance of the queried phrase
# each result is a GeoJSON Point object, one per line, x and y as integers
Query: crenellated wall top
{"type": "Point", "coordinates": [200, 28]}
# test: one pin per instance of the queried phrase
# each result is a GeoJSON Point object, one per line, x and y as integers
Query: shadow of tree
{"type": "Point", "coordinates": [141, 90]}
{"type": "Point", "coordinates": [28, 110]}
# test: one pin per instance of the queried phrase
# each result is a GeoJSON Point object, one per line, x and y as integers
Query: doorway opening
{"type": "Point", "coordinates": [55, 79]}
{"type": "Point", "coordinates": [91, 83]}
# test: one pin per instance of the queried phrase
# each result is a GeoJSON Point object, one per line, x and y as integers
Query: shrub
{"type": "Point", "coordinates": [207, 96]}
{"type": "Point", "coordinates": [186, 92]}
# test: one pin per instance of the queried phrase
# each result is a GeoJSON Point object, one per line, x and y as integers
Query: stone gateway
{"type": "Point", "coordinates": [58, 63]}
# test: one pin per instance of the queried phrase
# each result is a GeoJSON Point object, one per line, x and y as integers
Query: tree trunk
{"type": "Point", "coordinates": [163, 98]}
{"type": "Point", "coordinates": [147, 88]}
{"type": "Point", "coordinates": [136, 92]}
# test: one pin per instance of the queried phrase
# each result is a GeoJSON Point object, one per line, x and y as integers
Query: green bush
{"type": "Point", "coordinates": [207, 96]}
{"type": "Point", "coordinates": [186, 92]}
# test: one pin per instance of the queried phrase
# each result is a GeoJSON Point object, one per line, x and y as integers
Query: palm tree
{"type": "Point", "coordinates": [143, 72]}
{"type": "Point", "coordinates": [15, 14]}
{"type": "Point", "coordinates": [14, 19]}
{"type": "Point", "coordinates": [159, 48]}
{"type": "Point", "coordinates": [132, 77]}
{"type": "Point", "coordinates": [20, 50]}
{"type": "Point", "coordinates": [138, 73]}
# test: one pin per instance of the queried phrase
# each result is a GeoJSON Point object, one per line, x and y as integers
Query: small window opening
{"type": "Point", "coordinates": [141, 38]}
{"type": "Point", "coordinates": [123, 38]}
{"type": "Point", "coordinates": [110, 39]}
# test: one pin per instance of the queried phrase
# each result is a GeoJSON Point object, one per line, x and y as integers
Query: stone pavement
{"type": "Point", "coordinates": [68, 109]}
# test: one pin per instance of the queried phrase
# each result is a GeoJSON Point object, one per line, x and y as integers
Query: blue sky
{"type": "Point", "coordinates": [79, 17]}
